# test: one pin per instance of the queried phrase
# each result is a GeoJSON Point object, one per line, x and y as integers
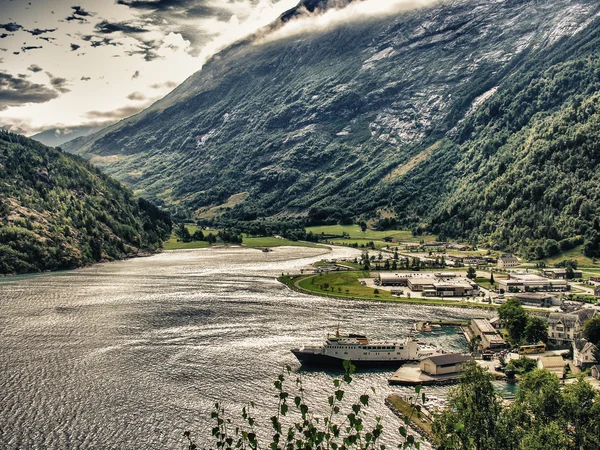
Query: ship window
{"type": "Point", "coordinates": [345, 353]}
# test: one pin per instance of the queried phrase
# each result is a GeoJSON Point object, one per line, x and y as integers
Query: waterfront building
{"type": "Point", "coordinates": [444, 364]}
{"type": "Point", "coordinates": [490, 338]}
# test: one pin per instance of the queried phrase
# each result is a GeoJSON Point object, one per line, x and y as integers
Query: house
{"type": "Point", "coordinates": [507, 261]}
{"type": "Point", "coordinates": [566, 327]}
{"type": "Point", "coordinates": [584, 353]}
{"type": "Point", "coordinates": [561, 273]}
{"type": "Point", "coordinates": [554, 364]}
{"type": "Point", "coordinates": [490, 338]}
{"type": "Point", "coordinates": [596, 279]}
{"type": "Point", "coordinates": [444, 364]}
{"type": "Point", "coordinates": [496, 322]}
{"type": "Point", "coordinates": [539, 300]}
{"type": "Point", "coordinates": [527, 282]}
{"type": "Point", "coordinates": [597, 291]}
{"type": "Point", "coordinates": [596, 371]}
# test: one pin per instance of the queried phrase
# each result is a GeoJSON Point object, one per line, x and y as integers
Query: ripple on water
{"type": "Point", "coordinates": [130, 354]}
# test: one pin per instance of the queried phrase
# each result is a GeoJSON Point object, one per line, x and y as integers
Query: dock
{"type": "Point", "coordinates": [411, 375]}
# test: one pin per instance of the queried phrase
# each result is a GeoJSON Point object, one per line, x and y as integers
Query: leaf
{"type": "Point", "coordinates": [364, 399]}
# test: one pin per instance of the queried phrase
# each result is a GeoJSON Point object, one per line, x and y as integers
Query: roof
{"type": "Point", "coordinates": [509, 258]}
{"type": "Point", "coordinates": [549, 362]}
{"type": "Point", "coordinates": [597, 367]}
{"type": "Point", "coordinates": [448, 360]}
{"type": "Point", "coordinates": [584, 346]}
{"type": "Point", "coordinates": [571, 319]}
{"type": "Point", "coordinates": [421, 281]}
{"type": "Point", "coordinates": [484, 325]}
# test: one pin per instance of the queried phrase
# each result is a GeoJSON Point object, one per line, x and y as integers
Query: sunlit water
{"type": "Point", "coordinates": [130, 354]}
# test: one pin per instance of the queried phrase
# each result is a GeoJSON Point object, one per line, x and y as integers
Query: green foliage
{"type": "Point", "coordinates": [591, 330]}
{"type": "Point", "coordinates": [536, 330]}
{"type": "Point", "coordinates": [295, 426]}
{"type": "Point", "coordinates": [515, 319]}
{"type": "Point", "coordinates": [59, 212]}
{"type": "Point", "coordinates": [521, 366]}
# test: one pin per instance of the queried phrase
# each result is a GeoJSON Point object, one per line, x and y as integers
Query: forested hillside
{"type": "Point", "coordinates": [524, 171]}
{"type": "Point", "coordinates": [468, 119]}
{"type": "Point", "coordinates": [58, 212]}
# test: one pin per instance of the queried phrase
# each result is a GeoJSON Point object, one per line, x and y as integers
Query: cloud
{"type": "Point", "coordinates": [149, 49]}
{"type": "Point", "coordinates": [31, 47]}
{"type": "Point", "coordinates": [106, 27]}
{"type": "Point", "coordinates": [97, 41]}
{"type": "Point", "coordinates": [17, 91]}
{"type": "Point", "coordinates": [116, 114]}
{"type": "Point", "coordinates": [34, 68]}
{"type": "Point", "coordinates": [86, 78]}
{"type": "Point", "coordinates": [75, 47]}
{"type": "Point", "coordinates": [11, 27]}
{"type": "Point", "coordinates": [37, 31]}
{"type": "Point", "coordinates": [168, 85]}
{"type": "Point", "coordinates": [60, 84]}
{"type": "Point", "coordinates": [79, 14]}
{"type": "Point", "coordinates": [4, 35]}
{"type": "Point", "coordinates": [136, 75]}
{"type": "Point", "coordinates": [319, 21]}
{"type": "Point", "coordinates": [136, 96]}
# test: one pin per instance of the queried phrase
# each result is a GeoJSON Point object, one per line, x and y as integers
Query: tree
{"type": "Point", "coordinates": [515, 318]}
{"type": "Point", "coordinates": [492, 282]}
{"type": "Point", "coordinates": [536, 330]}
{"type": "Point", "coordinates": [474, 411]}
{"type": "Point", "coordinates": [591, 330]}
{"type": "Point", "coordinates": [471, 273]}
{"type": "Point", "coordinates": [363, 226]}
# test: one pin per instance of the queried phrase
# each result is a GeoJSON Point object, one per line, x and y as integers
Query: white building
{"type": "Point", "coordinates": [554, 364]}
{"type": "Point", "coordinates": [566, 327]}
{"type": "Point", "coordinates": [584, 353]}
{"type": "Point", "coordinates": [527, 282]}
{"type": "Point", "coordinates": [506, 261]}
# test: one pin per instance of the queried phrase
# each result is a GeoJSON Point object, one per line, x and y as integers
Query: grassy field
{"type": "Point", "coordinates": [346, 285]}
{"type": "Point", "coordinates": [270, 242]}
{"type": "Point", "coordinates": [174, 244]}
{"type": "Point", "coordinates": [574, 254]}
{"type": "Point", "coordinates": [369, 235]}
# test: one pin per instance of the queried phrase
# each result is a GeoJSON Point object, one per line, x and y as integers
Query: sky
{"type": "Point", "coordinates": [69, 63]}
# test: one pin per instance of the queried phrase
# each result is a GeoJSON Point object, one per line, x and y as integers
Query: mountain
{"type": "Point", "coordinates": [58, 212]}
{"type": "Point", "coordinates": [431, 116]}
{"type": "Point", "coordinates": [58, 136]}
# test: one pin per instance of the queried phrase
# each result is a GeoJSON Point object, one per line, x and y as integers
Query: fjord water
{"type": "Point", "coordinates": [130, 354]}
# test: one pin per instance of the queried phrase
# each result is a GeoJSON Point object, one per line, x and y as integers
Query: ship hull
{"type": "Point", "coordinates": [320, 360]}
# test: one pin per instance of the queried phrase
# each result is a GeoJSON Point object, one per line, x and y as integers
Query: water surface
{"type": "Point", "coordinates": [130, 354]}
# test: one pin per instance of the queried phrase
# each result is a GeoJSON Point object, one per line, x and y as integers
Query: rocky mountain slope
{"type": "Point", "coordinates": [373, 116]}
{"type": "Point", "coordinates": [57, 212]}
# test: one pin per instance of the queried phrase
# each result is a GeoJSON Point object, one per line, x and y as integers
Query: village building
{"type": "Point", "coordinates": [537, 299]}
{"type": "Point", "coordinates": [496, 322]}
{"type": "Point", "coordinates": [596, 371]}
{"type": "Point", "coordinates": [561, 273]}
{"type": "Point", "coordinates": [554, 364]}
{"type": "Point", "coordinates": [440, 285]}
{"type": "Point", "coordinates": [597, 291]}
{"type": "Point", "coordinates": [584, 353]}
{"type": "Point", "coordinates": [444, 364]}
{"type": "Point", "coordinates": [507, 261]}
{"type": "Point", "coordinates": [596, 279]}
{"type": "Point", "coordinates": [526, 282]}
{"type": "Point", "coordinates": [566, 327]}
{"type": "Point", "coordinates": [490, 338]}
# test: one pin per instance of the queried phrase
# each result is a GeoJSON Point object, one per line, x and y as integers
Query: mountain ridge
{"type": "Point", "coordinates": [324, 120]}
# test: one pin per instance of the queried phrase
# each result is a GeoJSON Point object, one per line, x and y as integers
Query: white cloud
{"type": "Point", "coordinates": [335, 17]}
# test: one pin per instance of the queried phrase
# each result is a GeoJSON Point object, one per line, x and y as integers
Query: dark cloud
{"type": "Point", "coordinates": [79, 14]}
{"type": "Point", "coordinates": [37, 31]}
{"type": "Point", "coordinates": [4, 35]}
{"type": "Point", "coordinates": [47, 39]}
{"type": "Point", "coordinates": [86, 78]}
{"type": "Point", "coordinates": [34, 68]}
{"type": "Point", "coordinates": [136, 75]}
{"type": "Point", "coordinates": [148, 49]}
{"type": "Point", "coordinates": [30, 47]}
{"type": "Point", "coordinates": [97, 41]}
{"type": "Point", "coordinates": [116, 114]}
{"type": "Point", "coordinates": [106, 27]}
{"type": "Point", "coordinates": [17, 91]}
{"type": "Point", "coordinates": [11, 27]}
{"type": "Point", "coordinates": [136, 96]}
{"type": "Point", "coordinates": [75, 47]}
{"type": "Point", "coordinates": [60, 84]}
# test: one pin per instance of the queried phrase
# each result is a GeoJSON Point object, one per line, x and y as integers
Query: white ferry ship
{"type": "Point", "coordinates": [362, 353]}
